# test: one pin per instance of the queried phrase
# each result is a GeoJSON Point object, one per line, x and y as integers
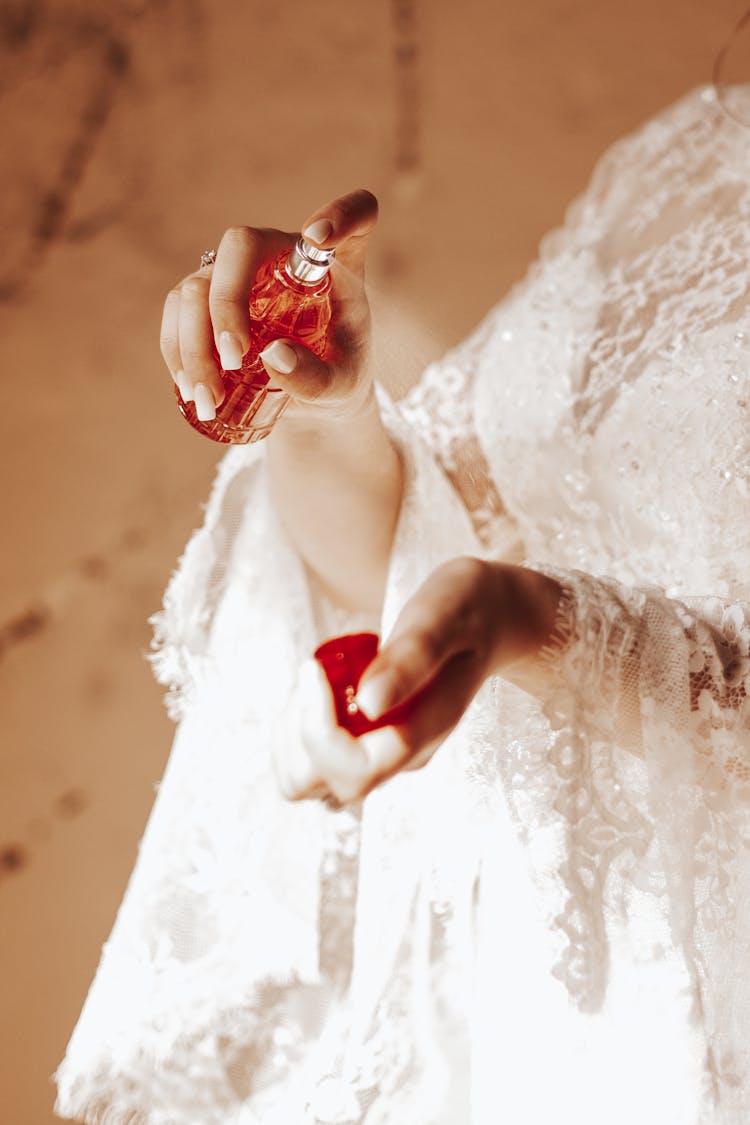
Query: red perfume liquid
{"type": "Point", "coordinates": [290, 299]}
{"type": "Point", "coordinates": [344, 660]}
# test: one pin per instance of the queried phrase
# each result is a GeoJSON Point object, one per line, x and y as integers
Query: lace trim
{"type": "Point", "coordinates": [674, 823]}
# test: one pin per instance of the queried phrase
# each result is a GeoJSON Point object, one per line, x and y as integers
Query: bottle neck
{"type": "Point", "coordinates": [308, 265]}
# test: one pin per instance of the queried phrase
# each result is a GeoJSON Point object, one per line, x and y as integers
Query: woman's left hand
{"type": "Point", "coordinates": [470, 619]}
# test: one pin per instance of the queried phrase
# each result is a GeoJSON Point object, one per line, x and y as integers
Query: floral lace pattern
{"type": "Point", "coordinates": [282, 963]}
{"type": "Point", "coordinates": [673, 677]}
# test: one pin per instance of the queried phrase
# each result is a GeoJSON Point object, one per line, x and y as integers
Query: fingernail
{"type": "Point", "coordinates": [230, 351]}
{"type": "Point", "coordinates": [382, 748]}
{"type": "Point", "coordinates": [318, 231]}
{"type": "Point", "coordinates": [280, 357]}
{"type": "Point", "coordinates": [184, 386]}
{"type": "Point", "coordinates": [204, 402]}
{"type": "Point", "coordinates": [375, 696]}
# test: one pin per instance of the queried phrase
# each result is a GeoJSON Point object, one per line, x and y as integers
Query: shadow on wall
{"type": "Point", "coordinates": [62, 70]}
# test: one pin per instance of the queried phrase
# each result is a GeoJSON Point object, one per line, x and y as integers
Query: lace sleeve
{"type": "Point", "coordinates": [650, 671]}
{"type": "Point", "coordinates": [669, 678]}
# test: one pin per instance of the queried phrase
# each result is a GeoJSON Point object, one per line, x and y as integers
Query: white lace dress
{"type": "Point", "coordinates": [551, 921]}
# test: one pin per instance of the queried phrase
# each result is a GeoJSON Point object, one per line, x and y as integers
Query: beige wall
{"type": "Point", "coordinates": [132, 134]}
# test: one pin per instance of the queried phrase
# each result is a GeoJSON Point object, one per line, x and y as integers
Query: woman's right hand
{"type": "Point", "coordinates": [209, 310]}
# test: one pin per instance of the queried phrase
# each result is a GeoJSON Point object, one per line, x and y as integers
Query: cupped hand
{"type": "Point", "coordinates": [207, 314]}
{"type": "Point", "coordinates": [470, 619]}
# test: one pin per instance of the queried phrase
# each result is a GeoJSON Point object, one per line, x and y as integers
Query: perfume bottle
{"type": "Point", "coordinates": [344, 660]}
{"type": "Point", "coordinates": [290, 299]}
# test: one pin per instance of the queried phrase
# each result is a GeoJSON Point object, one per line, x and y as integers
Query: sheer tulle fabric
{"type": "Point", "coordinates": [565, 888]}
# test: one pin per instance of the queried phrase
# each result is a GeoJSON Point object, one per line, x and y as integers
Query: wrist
{"type": "Point", "coordinates": [527, 605]}
{"type": "Point", "coordinates": [308, 424]}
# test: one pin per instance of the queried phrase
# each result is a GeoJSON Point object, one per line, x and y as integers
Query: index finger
{"type": "Point", "coordinates": [345, 224]}
{"type": "Point", "coordinates": [241, 253]}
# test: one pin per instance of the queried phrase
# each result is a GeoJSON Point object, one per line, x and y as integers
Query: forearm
{"type": "Point", "coordinates": [337, 489]}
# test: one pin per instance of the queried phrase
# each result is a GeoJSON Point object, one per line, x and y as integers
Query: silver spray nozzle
{"type": "Point", "coordinates": [307, 263]}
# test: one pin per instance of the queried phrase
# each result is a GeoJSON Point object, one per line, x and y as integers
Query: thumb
{"type": "Point", "coordinates": [296, 370]}
{"type": "Point", "coordinates": [444, 618]}
{"type": "Point", "coordinates": [405, 665]}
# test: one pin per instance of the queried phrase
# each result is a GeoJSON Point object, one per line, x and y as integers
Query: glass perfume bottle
{"type": "Point", "coordinates": [290, 299]}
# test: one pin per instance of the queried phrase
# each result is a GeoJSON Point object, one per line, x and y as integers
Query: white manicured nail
{"type": "Point", "coordinates": [204, 402]}
{"type": "Point", "coordinates": [280, 357]}
{"type": "Point", "coordinates": [230, 352]}
{"type": "Point", "coordinates": [318, 231]}
{"type": "Point", "coordinates": [184, 386]}
{"type": "Point", "coordinates": [383, 748]}
{"type": "Point", "coordinates": [373, 698]}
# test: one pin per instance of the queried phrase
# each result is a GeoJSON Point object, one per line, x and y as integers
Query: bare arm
{"type": "Point", "coordinates": [335, 476]}
{"type": "Point", "coordinates": [338, 491]}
